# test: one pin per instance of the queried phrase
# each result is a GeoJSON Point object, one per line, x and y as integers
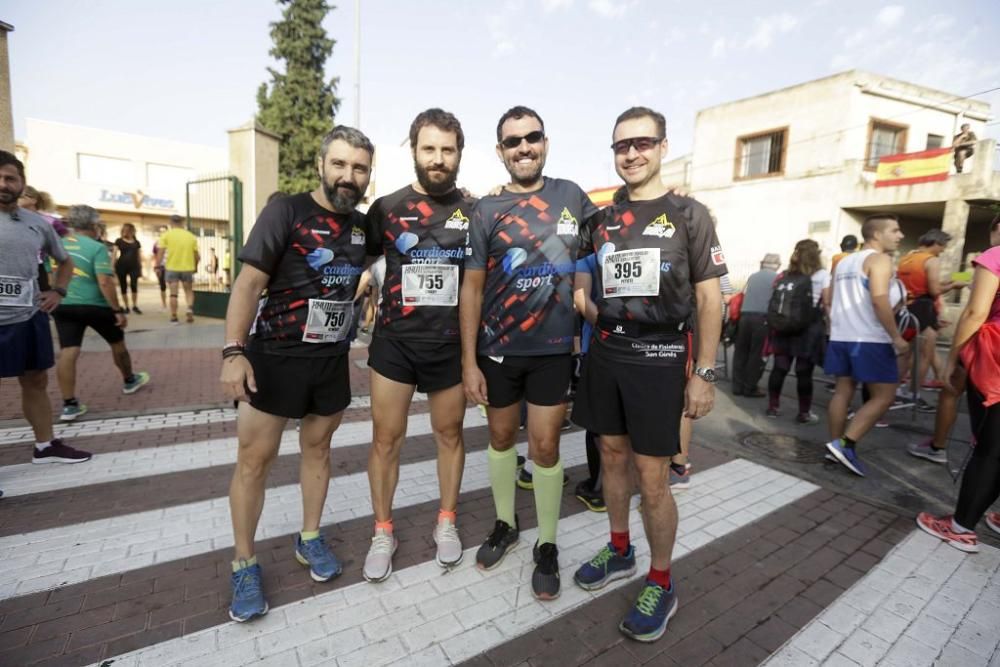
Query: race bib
{"type": "Point", "coordinates": [430, 285]}
{"type": "Point", "coordinates": [328, 321]}
{"type": "Point", "coordinates": [17, 292]}
{"type": "Point", "coordinates": [631, 273]}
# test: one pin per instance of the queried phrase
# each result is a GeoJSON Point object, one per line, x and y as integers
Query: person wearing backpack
{"type": "Point", "coordinates": [795, 318]}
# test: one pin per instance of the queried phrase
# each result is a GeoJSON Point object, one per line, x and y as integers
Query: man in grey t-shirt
{"type": "Point", "coordinates": [25, 340]}
{"type": "Point", "coordinates": [748, 365]}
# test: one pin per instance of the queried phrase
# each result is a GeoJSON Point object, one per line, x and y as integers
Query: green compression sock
{"type": "Point", "coordinates": [548, 499]}
{"type": "Point", "coordinates": [503, 474]}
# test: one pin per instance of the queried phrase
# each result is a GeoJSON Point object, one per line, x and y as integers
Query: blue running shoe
{"type": "Point", "coordinates": [323, 565]}
{"type": "Point", "coordinates": [847, 456]}
{"type": "Point", "coordinates": [605, 567]}
{"type": "Point", "coordinates": [647, 620]}
{"type": "Point", "coordinates": [248, 595]}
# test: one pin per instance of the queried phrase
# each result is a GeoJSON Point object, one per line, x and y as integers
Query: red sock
{"type": "Point", "coordinates": [659, 577]}
{"type": "Point", "coordinates": [620, 542]}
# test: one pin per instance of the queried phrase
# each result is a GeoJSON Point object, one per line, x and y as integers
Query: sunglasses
{"type": "Point", "coordinates": [531, 137]}
{"type": "Point", "coordinates": [641, 144]}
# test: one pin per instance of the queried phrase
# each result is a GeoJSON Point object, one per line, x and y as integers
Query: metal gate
{"type": "Point", "coordinates": [214, 207]}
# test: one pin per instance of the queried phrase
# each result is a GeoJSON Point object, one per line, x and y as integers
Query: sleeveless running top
{"type": "Point", "coordinates": [911, 271]}
{"type": "Point", "coordinates": [852, 318]}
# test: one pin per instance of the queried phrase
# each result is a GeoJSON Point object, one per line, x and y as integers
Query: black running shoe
{"type": "Point", "coordinates": [593, 500]}
{"type": "Point", "coordinates": [545, 578]}
{"type": "Point", "coordinates": [501, 540]}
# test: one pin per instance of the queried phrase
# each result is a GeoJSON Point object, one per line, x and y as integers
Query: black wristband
{"type": "Point", "coordinates": [61, 291]}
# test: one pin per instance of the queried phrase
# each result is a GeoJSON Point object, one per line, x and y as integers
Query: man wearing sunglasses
{"type": "Point", "coordinates": [517, 322]}
{"type": "Point", "coordinates": [654, 251]}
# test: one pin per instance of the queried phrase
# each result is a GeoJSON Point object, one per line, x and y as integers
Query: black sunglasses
{"type": "Point", "coordinates": [531, 137]}
{"type": "Point", "coordinates": [641, 144]}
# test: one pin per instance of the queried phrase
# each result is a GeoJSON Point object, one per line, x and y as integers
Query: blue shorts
{"type": "Point", "coordinates": [26, 346]}
{"type": "Point", "coordinates": [865, 362]}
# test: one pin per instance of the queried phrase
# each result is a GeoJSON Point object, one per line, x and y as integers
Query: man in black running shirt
{"type": "Point", "coordinates": [421, 229]}
{"type": "Point", "coordinates": [518, 322]}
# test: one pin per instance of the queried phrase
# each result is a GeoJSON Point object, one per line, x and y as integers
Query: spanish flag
{"type": "Point", "coordinates": [602, 197]}
{"type": "Point", "coordinates": [911, 168]}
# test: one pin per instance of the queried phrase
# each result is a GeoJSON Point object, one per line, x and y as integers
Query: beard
{"type": "Point", "coordinates": [425, 179]}
{"type": "Point", "coordinates": [343, 196]}
{"type": "Point", "coordinates": [526, 175]}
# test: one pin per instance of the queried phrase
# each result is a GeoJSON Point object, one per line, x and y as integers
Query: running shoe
{"type": "Point", "coordinates": [449, 545]}
{"type": "Point", "coordinates": [174, 320]}
{"type": "Point", "coordinates": [924, 406]}
{"type": "Point", "coordinates": [498, 544]}
{"type": "Point", "coordinates": [647, 620]}
{"type": "Point", "coordinates": [520, 463]}
{"type": "Point", "coordinates": [545, 578]}
{"type": "Point", "coordinates": [846, 456]}
{"type": "Point", "coordinates": [773, 413]}
{"type": "Point", "coordinates": [323, 565]}
{"type": "Point", "coordinates": [940, 527]}
{"type": "Point", "coordinates": [58, 452]}
{"type": "Point", "coordinates": [248, 594]}
{"type": "Point", "coordinates": [136, 310]}
{"type": "Point", "coordinates": [605, 567]}
{"type": "Point", "coordinates": [378, 562]}
{"type": "Point", "coordinates": [807, 418]}
{"type": "Point", "coordinates": [71, 412]}
{"type": "Point", "coordinates": [189, 318]}
{"type": "Point", "coordinates": [680, 480]}
{"type": "Point", "coordinates": [135, 384]}
{"type": "Point", "coordinates": [592, 500]}
{"type": "Point", "coordinates": [524, 479]}
{"type": "Point", "coordinates": [925, 450]}
{"type": "Point", "coordinates": [992, 520]}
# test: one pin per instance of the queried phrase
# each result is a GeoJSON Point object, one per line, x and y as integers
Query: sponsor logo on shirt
{"type": "Point", "coordinates": [357, 236]}
{"type": "Point", "coordinates": [566, 224]}
{"type": "Point", "coordinates": [660, 227]}
{"type": "Point", "coordinates": [457, 221]}
{"type": "Point", "coordinates": [319, 258]}
{"type": "Point", "coordinates": [718, 257]}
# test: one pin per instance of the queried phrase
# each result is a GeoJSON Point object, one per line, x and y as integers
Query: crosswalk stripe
{"type": "Point", "coordinates": [27, 478]}
{"type": "Point", "coordinates": [53, 557]}
{"type": "Point", "coordinates": [424, 615]}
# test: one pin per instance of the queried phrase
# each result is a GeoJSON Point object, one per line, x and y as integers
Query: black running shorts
{"type": "Point", "coordinates": [642, 401]}
{"type": "Point", "coordinates": [541, 380]}
{"type": "Point", "coordinates": [72, 321]}
{"type": "Point", "coordinates": [294, 387]}
{"type": "Point", "coordinates": [430, 366]}
{"type": "Point", "coordinates": [925, 311]}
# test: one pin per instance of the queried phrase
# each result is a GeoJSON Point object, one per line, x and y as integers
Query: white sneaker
{"type": "Point", "coordinates": [378, 562]}
{"type": "Point", "coordinates": [449, 545]}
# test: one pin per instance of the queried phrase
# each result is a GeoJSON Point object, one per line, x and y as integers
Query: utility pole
{"type": "Point", "coordinates": [357, 63]}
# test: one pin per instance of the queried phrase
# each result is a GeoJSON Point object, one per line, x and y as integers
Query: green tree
{"type": "Point", "coordinates": [299, 104]}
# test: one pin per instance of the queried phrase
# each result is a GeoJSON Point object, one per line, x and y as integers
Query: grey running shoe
{"type": "Point", "coordinates": [378, 562]}
{"type": "Point", "coordinates": [71, 412]}
{"type": "Point", "coordinates": [135, 384]}
{"type": "Point", "coordinates": [679, 480]}
{"type": "Point", "coordinates": [545, 578]}
{"type": "Point", "coordinates": [925, 450]}
{"type": "Point", "coordinates": [449, 545]}
{"type": "Point", "coordinates": [501, 540]}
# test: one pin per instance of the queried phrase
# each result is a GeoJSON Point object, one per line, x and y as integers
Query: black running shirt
{"type": "Point", "coordinates": [309, 253]}
{"type": "Point", "coordinates": [420, 236]}
{"type": "Point", "coordinates": [650, 254]}
{"type": "Point", "coordinates": [528, 243]}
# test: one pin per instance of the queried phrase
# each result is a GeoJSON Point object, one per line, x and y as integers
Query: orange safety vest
{"type": "Point", "coordinates": [912, 273]}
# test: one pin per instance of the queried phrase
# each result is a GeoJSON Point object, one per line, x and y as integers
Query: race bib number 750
{"type": "Point", "coordinates": [328, 321]}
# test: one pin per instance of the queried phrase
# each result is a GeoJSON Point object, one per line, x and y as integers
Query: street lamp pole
{"type": "Point", "coordinates": [357, 63]}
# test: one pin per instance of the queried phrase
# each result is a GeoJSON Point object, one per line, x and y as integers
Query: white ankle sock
{"type": "Point", "coordinates": [957, 528]}
{"type": "Point", "coordinates": [42, 446]}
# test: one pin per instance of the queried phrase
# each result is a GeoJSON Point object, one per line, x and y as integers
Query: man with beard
{"type": "Point", "coordinates": [517, 322]}
{"type": "Point", "coordinates": [25, 340]}
{"type": "Point", "coordinates": [421, 229]}
{"type": "Point", "coordinates": [307, 252]}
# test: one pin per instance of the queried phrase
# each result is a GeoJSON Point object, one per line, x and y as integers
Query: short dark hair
{"type": "Point", "coordinates": [934, 237]}
{"type": "Point", "coordinates": [849, 243]}
{"type": "Point", "coordinates": [876, 223]}
{"type": "Point", "coordinates": [442, 120]}
{"type": "Point", "coordinates": [354, 137]}
{"type": "Point", "coordinates": [176, 219]}
{"type": "Point", "coordinates": [643, 112]}
{"type": "Point", "coordinates": [7, 158]}
{"type": "Point", "coordinates": [517, 113]}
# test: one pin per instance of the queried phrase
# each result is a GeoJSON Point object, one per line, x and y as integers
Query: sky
{"type": "Point", "coordinates": [188, 70]}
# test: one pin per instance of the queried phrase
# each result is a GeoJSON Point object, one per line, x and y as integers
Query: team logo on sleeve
{"type": "Point", "coordinates": [718, 257]}
{"type": "Point", "coordinates": [566, 224]}
{"type": "Point", "coordinates": [457, 221]}
{"type": "Point", "coordinates": [660, 228]}
{"type": "Point", "coordinates": [357, 236]}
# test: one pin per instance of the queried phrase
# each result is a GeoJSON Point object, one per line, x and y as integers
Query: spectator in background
{"type": "Point", "coordinates": [42, 204]}
{"type": "Point", "coordinates": [963, 143]}
{"type": "Point", "coordinates": [848, 244]}
{"type": "Point", "coordinates": [751, 330]}
{"type": "Point", "coordinates": [159, 270]}
{"type": "Point", "coordinates": [128, 265]}
{"type": "Point", "coordinates": [179, 250]}
{"type": "Point", "coordinates": [213, 268]}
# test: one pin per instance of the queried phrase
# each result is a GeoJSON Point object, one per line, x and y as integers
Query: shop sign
{"type": "Point", "coordinates": [139, 199]}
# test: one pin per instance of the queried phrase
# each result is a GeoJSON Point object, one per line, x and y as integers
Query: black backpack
{"type": "Point", "coordinates": [791, 308]}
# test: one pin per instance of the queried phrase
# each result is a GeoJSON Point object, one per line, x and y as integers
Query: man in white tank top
{"type": "Point", "coordinates": [864, 339]}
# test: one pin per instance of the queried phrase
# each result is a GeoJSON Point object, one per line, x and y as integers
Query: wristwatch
{"type": "Point", "coordinates": [707, 374]}
{"type": "Point", "coordinates": [61, 291]}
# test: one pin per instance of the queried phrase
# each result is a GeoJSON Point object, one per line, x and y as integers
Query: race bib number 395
{"type": "Point", "coordinates": [430, 285]}
{"type": "Point", "coordinates": [328, 321]}
{"type": "Point", "coordinates": [631, 273]}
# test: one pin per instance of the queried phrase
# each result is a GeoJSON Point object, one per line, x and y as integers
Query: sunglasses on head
{"type": "Point", "coordinates": [531, 137]}
{"type": "Point", "coordinates": [641, 144]}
